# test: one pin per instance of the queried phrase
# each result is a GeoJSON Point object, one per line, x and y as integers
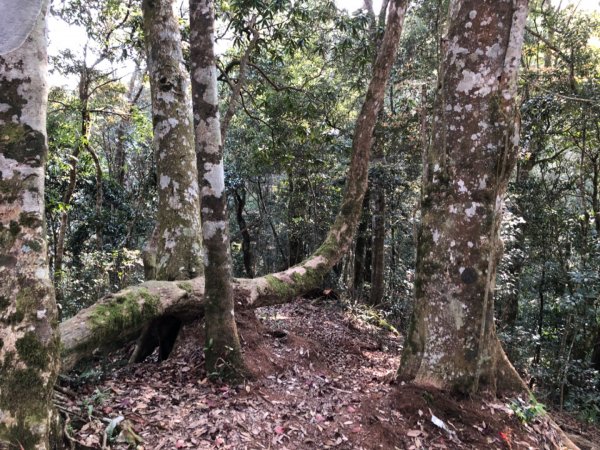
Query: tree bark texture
{"type": "Point", "coordinates": [179, 250]}
{"type": "Point", "coordinates": [29, 345]}
{"type": "Point", "coordinates": [124, 314]}
{"type": "Point", "coordinates": [378, 261]}
{"type": "Point", "coordinates": [223, 350]}
{"type": "Point", "coordinates": [452, 340]}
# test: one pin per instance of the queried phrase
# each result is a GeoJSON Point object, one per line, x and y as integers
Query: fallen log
{"type": "Point", "coordinates": [120, 318]}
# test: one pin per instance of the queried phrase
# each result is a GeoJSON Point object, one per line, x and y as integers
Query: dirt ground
{"type": "Point", "coordinates": [322, 378]}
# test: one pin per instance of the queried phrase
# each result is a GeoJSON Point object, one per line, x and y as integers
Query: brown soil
{"type": "Point", "coordinates": [320, 378]}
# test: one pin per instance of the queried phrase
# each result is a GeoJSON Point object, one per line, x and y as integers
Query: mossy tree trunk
{"type": "Point", "coordinates": [90, 328]}
{"type": "Point", "coordinates": [29, 344]}
{"type": "Point", "coordinates": [223, 349]}
{"type": "Point", "coordinates": [452, 340]}
{"type": "Point", "coordinates": [179, 243]}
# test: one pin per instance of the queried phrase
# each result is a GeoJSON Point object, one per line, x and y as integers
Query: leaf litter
{"type": "Point", "coordinates": [320, 378]}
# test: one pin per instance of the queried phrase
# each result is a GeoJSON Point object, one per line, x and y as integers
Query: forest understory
{"type": "Point", "coordinates": [322, 376]}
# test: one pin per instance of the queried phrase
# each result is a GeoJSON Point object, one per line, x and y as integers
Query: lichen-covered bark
{"type": "Point", "coordinates": [179, 250]}
{"type": "Point", "coordinates": [29, 345]}
{"type": "Point", "coordinates": [452, 341]}
{"type": "Point", "coordinates": [223, 349]}
{"type": "Point", "coordinates": [16, 24]}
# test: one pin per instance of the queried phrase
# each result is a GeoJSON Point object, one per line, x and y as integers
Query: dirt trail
{"type": "Point", "coordinates": [321, 380]}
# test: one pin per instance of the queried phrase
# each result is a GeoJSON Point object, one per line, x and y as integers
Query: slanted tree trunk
{"type": "Point", "coordinates": [452, 340]}
{"type": "Point", "coordinates": [29, 344]}
{"type": "Point", "coordinates": [124, 314]}
{"type": "Point", "coordinates": [179, 245]}
{"type": "Point", "coordinates": [223, 349]}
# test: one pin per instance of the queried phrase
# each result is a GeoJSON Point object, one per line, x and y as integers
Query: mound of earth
{"type": "Point", "coordinates": [320, 378]}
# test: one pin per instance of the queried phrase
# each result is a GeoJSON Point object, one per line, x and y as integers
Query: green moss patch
{"type": "Point", "coordinates": [127, 311]}
{"type": "Point", "coordinates": [32, 351]}
{"type": "Point", "coordinates": [186, 286]}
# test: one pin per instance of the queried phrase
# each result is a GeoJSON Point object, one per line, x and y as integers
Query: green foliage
{"type": "Point", "coordinates": [526, 412]}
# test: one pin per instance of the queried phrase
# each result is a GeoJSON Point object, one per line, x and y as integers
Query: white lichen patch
{"type": "Point", "coordinates": [208, 134]}
{"type": "Point", "coordinates": [214, 175]}
{"type": "Point", "coordinates": [457, 313]}
{"type": "Point", "coordinates": [436, 236]}
{"type": "Point", "coordinates": [32, 202]}
{"type": "Point", "coordinates": [495, 51]}
{"type": "Point", "coordinates": [482, 184]}
{"type": "Point", "coordinates": [461, 187]}
{"type": "Point", "coordinates": [192, 192]}
{"type": "Point", "coordinates": [210, 228]}
{"type": "Point", "coordinates": [481, 82]}
{"type": "Point", "coordinates": [207, 76]}
{"type": "Point", "coordinates": [470, 212]}
{"type": "Point", "coordinates": [164, 181]}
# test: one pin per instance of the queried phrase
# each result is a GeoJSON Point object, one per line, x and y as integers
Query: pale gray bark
{"type": "Point", "coordinates": [179, 249]}
{"type": "Point", "coordinates": [16, 22]}
{"type": "Point", "coordinates": [223, 351]}
{"type": "Point", "coordinates": [29, 345]}
{"type": "Point", "coordinates": [452, 341]}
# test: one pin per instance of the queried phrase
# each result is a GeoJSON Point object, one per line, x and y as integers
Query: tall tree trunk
{"type": "Point", "coordinates": [179, 249]}
{"type": "Point", "coordinates": [452, 340]}
{"type": "Point", "coordinates": [29, 343]}
{"type": "Point", "coordinates": [223, 349]}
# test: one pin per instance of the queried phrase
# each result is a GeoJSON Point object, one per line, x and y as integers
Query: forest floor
{"type": "Point", "coordinates": [322, 378]}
